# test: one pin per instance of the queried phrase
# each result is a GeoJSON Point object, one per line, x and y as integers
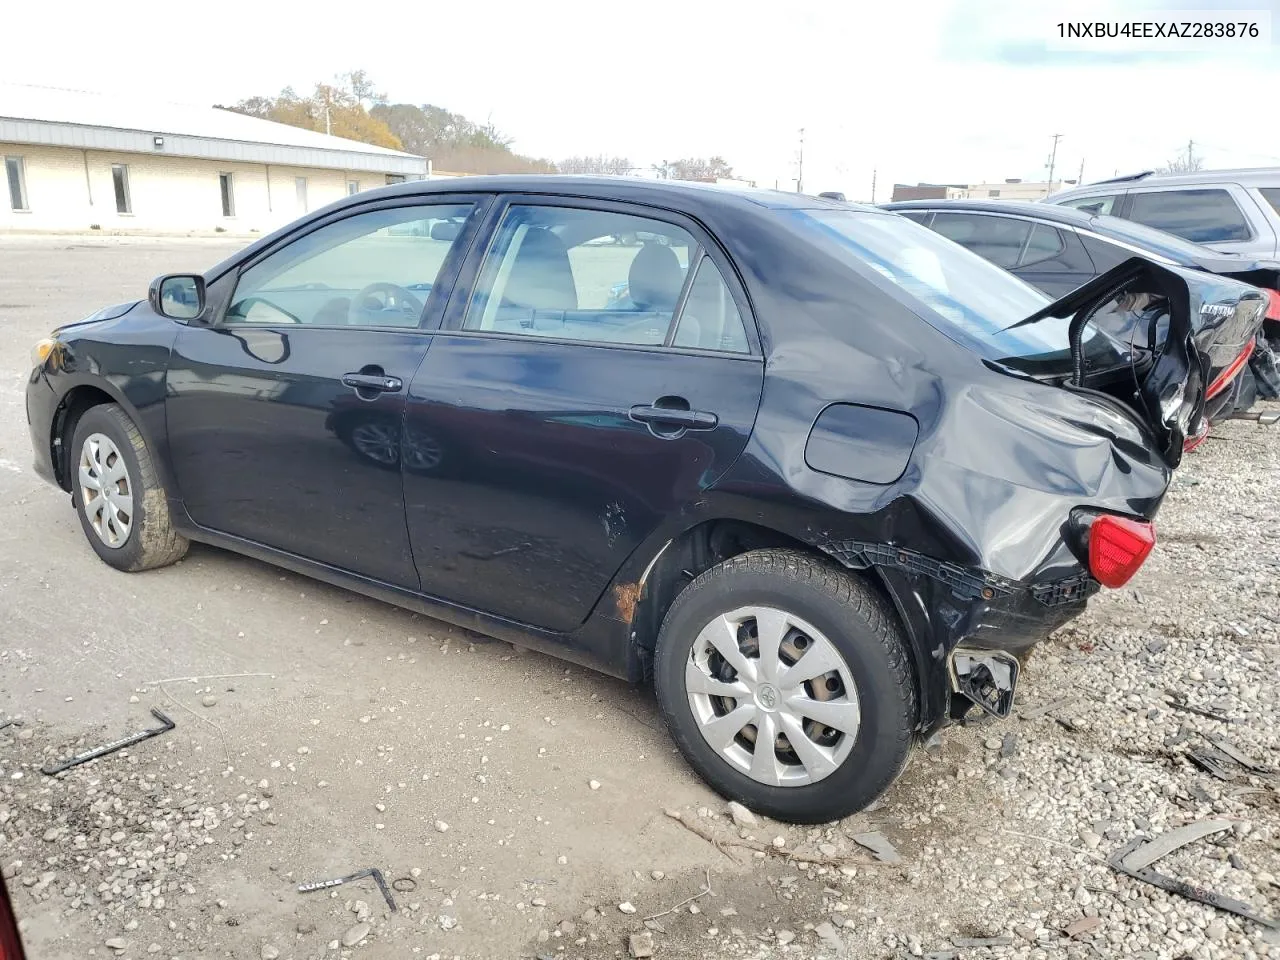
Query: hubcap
{"type": "Point", "coordinates": [773, 696]}
{"type": "Point", "coordinates": [106, 492]}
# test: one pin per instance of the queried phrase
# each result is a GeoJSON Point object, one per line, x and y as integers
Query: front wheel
{"type": "Point", "coordinates": [122, 507]}
{"type": "Point", "coordinates": [786, 683]}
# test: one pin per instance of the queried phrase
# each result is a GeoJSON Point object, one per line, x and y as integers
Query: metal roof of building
{"type": "Point", "coordinates": [94, 121]}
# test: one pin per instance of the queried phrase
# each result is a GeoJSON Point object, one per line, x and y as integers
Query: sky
{"type": "Point", "coordinates": [955, 91]}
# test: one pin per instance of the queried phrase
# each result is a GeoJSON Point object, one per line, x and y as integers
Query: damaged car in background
{"type": "Point", "coordinates": [822, 475]}
{"type": "Point", "coordinates": [1056, 249]}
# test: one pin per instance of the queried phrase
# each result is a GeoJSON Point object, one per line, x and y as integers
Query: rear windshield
{"type": "Point", "coordinates": [968, 298]}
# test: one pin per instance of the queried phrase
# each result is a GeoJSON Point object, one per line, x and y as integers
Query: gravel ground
{"type": "Point", "coordinates": [526, 808]}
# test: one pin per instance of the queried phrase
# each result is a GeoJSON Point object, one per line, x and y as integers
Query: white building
{"type": "Point", "coordinates": [84, 161]}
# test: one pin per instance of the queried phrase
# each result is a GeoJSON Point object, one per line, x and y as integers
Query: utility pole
{"type": "Point", "coordinates": [1053, 159]}
{"type": "Point", "coordinates": [1190, 144]}
{"type": "Point", "coordinates": [1080, 176]}
{"type": "Point", "coordinates": [873, 184]}
{"type": "Point", "coordinates": [800, 172]}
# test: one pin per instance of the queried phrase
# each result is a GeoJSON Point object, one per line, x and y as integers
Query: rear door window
{"type": "Point", "coordinates": [919, 216]}
{"type": "Point", "coordinates": [998, 239]}
{"type": "Point", "coordinates": [1095, 205]}
{"type": "Point", "coordinates": [1272, 196]}
{"type": "Point", "coordinates": [1201, 216]}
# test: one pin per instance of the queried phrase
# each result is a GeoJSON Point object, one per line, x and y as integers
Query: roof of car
{"type": "Point", "coordinates": [1250, 176]}
{"type": "Point", "coordinates": [1180, 251]}
{"type": "Point", "coordinates": [639, 189]}
{"type": "Point", "coordinates": [1024, 208]}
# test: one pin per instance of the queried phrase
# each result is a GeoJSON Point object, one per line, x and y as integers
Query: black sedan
{"type": "Point", "coordinates": [1058, 248]}
{"type": "Point", "coordinates": [822, 475]}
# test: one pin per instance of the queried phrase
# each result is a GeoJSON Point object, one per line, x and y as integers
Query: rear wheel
{"type": "Point", "coordinates": [122, 507]}
{"type": "Point", "coordinates": [785, 681]}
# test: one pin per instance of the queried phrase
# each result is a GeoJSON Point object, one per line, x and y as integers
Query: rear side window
{"type": "Point", "coordinates": [1045, 244]}
{"type": "Point", "coordinates": [998, 239]}
{"type": "Point", "coordinates": [1201, 216]}
{"type": "Point", "coordinates": [919, 216]}
{"type": "Point", "coordinates": [710, 319]}
{"type": "Point", "coordinates": [1272, 196]}
{"type": "Point", "coordinates": [1094, 205]}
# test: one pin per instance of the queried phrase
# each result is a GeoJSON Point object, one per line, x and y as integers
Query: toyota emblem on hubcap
{"type": "Point", "coordinates": [767, 696]}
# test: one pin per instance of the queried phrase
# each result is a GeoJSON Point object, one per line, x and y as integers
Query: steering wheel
{"type": "Point", "coordinates": [395, 299]}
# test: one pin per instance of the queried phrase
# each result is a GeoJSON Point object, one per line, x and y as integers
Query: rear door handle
{"type": "Point", "coordinates": [675, 417]}
{"type": "Point", "coordinates": [373, 381]}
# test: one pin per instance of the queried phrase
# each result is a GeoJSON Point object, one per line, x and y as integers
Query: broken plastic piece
{"type": "Point", "coordinates": [987, 677]}
{"type": "Point", "coordinates": [358, 875]}
{"type": "Point", "coordinates": [113, 746]}
{"type": "Point", "coordinates": [1135, 858]}
{"type": "Point", "coordinates": [981, 941]}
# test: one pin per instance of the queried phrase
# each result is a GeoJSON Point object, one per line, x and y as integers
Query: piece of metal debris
{"type": "Point", "coordinates": [1212, 762]}
{"type": "Point", "coordinates": [982, 941]}
{"type": "Point", "coordinates": [1008, 746]}
{"type": "Point", "coordinates": [1035, 713]}
{"type": "Point", "coordinates": [879, 845]}
{"type": "Point", "coordinates": [358, 875]}
{"type": "Point", "coordinates": [1068, 724]}
{"type": "Point", "coordinates": [113, 746]}
{"type": "Point", "coordinates": [1177, 701]}
{"type": "Point", "coordinates": [1238, 755]}
{"type": "Point", "coordinates": [404, 884]}
{"type": "Point", "coordinates": [1136, 857]}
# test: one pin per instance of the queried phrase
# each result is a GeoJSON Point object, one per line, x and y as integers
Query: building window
{"type": "Point", "coordinates": [120, 178]}
{"type": "Point", "coordinates": [300, 189]}
{"type": "Point", "coordinates": [353, 187]}
{"type": "Point", "coordinates": [395, 178]}
{"type": "Point", "coordinates": [993, 193]}
{"type": "Point", "coordinates": [226, 184]}
{"type": "Point", "coordinates": [17, 177]}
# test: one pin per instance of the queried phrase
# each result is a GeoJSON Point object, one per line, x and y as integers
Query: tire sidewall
{"type": "Point", "coordinates": [884, 736]}
{"type": "Point", "coordinates": [100, 420]}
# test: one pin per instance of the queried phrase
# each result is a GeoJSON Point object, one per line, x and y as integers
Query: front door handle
{"type": "Point", "coordinates": [674, 417]}
{"type": "Point", "coordinates": [373, 382]}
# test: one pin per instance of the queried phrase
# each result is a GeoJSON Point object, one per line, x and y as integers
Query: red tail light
{"type": "Point", "coordinates": [1223, 380]}
{"type": "Point", "coordinates": [1117, 548]}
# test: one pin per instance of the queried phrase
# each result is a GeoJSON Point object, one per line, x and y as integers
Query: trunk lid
{"type": "Point", "coordinates": [1157, 338]}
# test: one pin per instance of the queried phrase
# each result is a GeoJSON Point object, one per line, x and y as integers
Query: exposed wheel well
{"type": "Point", "coordinates": [699, 549]}
{"type": "Point", "coordinates": [68, 414]}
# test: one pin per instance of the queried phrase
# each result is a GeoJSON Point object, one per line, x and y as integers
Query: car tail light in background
{"type": "Point", "coordinates": [1273, 304]}
{"type": "Point", "coordinates": [1223, 380]}
{"type": "Point", "coordinates": [1117, 548]}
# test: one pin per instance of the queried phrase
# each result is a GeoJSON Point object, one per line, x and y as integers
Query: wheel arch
{"type": "Point", "coordinates": [73, 405]}
{"type": "Point", "coordinates": [698, 548]}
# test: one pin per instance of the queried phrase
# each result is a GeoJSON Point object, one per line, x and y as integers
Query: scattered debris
{"type": "Point", "coordinates": [355, 934]}
{"type": "Point", "coordinates": [769, 849]}
{"type": "Point", "coordinates": [358, 875]}
{"type": "Point", "coordinates": [1213, 762]}
{"type": "Point", "coordinates": [640, 945]}
{"type": "Point", "coordinates": [113, 746]}
{"type": "Point", "coordinates": [1008, 746]}
{"type": "Point", "coordinates": [404, 884]}
{"type": "Point", "coordinates": [1239, 756]}
{"type": "Point", "coordinates": [879, 845]}
{"type": "Point", "coordinates": [12, 722]}
{"type": "Point", "coordinates": [742, 817]}
{"type": "Point", "coordinates": [981, 941]}
{"type": "Point", "coordinates": [1179, 702]}
{"type": "Point", "coordinates": [209, 701]}
{"type": "Point", "coordinates": [705, 891]}
{"type": "Point", "coordinates": [827, 933]}
{"type": "Point", "coordinates": [626, 906]}
{"type": "Point", "coordinates": [1079, 928]}
{"type": "Point", "coordinates": [1136, 857]}
{"type": "Point", "coordinates": [209, 676]}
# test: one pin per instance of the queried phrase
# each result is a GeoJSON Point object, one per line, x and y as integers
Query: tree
{"type": "Point", "coordinates": [614, 166]}
{"type": "Point", "coordinates": [1190, 163]}
{"type": "Point", "coordinates": [455, 143]}
{"type": "Point", "coordinates": [336, 108]}
{"type": "Point", "coordinates": [707, 171]}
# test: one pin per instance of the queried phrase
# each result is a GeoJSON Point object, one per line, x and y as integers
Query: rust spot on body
{"type": "Point", "coordinates": [626, 596]}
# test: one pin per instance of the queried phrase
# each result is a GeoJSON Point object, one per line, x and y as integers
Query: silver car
{"type": "Point", "coordinates": [1232, 210]}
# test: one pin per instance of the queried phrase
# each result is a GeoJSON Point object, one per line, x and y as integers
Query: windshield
{"type": "Point", "coordinates": [968, 298]}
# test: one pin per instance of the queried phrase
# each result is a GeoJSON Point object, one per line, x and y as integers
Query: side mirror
{"type": "Point", "coordinates": [178, 296]}
{"type": "Point", "coordinates": [445, 230]}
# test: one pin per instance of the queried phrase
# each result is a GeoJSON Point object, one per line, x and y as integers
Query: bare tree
{"type": "Point", "coordinates": [614, 166]}
{"type": "Point", "coordinates": [698, 168]}
{"type": "Point", "coordinates": [1190, 163]}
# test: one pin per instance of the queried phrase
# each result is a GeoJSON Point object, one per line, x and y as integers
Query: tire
{"type": "Point", "coordinates": [818, 609]}
{"type": "Point", "coordinates": [141, 537]}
